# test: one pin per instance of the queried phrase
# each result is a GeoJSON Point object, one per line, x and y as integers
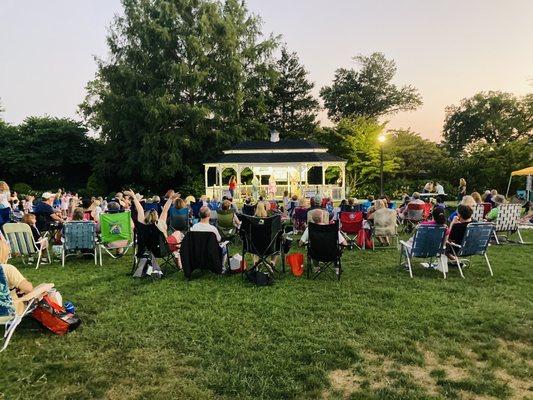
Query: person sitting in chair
{"type": "Point", "coordinates": [415, 200]}
{"type": "Point", "coordinates": [498, 200]}
{"type": "Point", "coordinates": [46, 214]}
{"type": "Point", "coordinates": [204, 226]}
{"type": "Point", "coordinates": [458, 228]}
{"type": "Point", "coordinates": [317, 217]}
{"type": "Point", "coordinates": [384, 222]}
{"type": "Point", "coordinates": [18, 284]}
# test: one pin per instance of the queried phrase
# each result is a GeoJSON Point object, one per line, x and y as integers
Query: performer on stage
{"type": "Point", "coordinates": [271, 187]}
{"type": "Point", "coordinates": [255, 187]}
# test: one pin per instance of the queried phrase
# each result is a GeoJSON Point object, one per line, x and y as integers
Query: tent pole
{"type": "Point", "coordinates": [508, 186]}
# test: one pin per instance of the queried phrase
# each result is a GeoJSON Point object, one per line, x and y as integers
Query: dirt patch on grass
{"type": "Point", "coordinates": [377, 372]}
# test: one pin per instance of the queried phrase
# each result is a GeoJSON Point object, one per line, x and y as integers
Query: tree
{"type": "Point", "coordinates": [293, 107]}
{"type": "Point", "coordinates": [369, 91]}
{"type": "Point", "coordinates": [47, 153]}
{"type": "Point", "coordinates": [184, 80]}
{"type": "Point", "coordinates": [415, 155]}
{"type": "Point", "coordinates": [356, 140]}
{"type": "Point", "coordinates": [489, 117]}
{"type": "Point", "coordinates": [488, 167]}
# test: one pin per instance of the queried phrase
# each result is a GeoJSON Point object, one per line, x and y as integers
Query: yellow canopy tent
{"type": "Point", "coordinates": [522, 172]}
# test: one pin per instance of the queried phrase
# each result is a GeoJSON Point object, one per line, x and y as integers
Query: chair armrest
{"type": "Point", "coordinates": [37, 292]}
{"type": "Point", "coordinates": [405, 244]}
{"type": "Point", "coordinates": [453, 244]}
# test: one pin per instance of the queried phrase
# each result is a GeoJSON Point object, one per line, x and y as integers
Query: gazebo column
{"type": "Point", "coordinates": [343, 177]}
{"type": "Point", "coordinates": [238, 169]}
{"type": "Point", "coordinates": [220, 170]}
{"type": "Point", "coordinates": [206, 168]}
{"type": "Point", "coordinates": [323, 180]}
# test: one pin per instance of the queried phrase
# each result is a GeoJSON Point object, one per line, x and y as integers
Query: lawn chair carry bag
{"type": "Point", "coordinates": [54, 317]}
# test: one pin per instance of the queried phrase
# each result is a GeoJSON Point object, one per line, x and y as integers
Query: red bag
{"type": "Point", "coordinates": [296, 262]}
{"type": "Point", "coordinates": [54, 317]}
{"type": "Point", "coordinates": [363, 239]}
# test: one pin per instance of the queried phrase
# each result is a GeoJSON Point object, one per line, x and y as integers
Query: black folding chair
{"type": "Point", "coordinates": [324, 251]}
{"type": "Point", "coordinates": [263, 238]}
{"type": "Point", "coordinates": [200, 250]}
{"type": "Point", "coordinates": [178, 222]}
{"type": "Point", "coordinates": [149, 239]}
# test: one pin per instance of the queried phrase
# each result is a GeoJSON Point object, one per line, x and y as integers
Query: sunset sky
{"type": "Point", "coordinates": [448, 49]}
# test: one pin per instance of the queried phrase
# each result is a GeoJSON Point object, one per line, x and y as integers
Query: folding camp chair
{"type": "Point", "coordinates": [225, 225]}
{"type": "Point", "coordinates": [392, 223]}
{"type": "Point", "coordinates": [299, 219]}
{"type": "Point", "coordinates": [151, 241]}
{"type": "Point", "coordinates": [178, 221]}
{"type": "Point", "coordinates": [507, 222]}
{"type": "Point", "coordinates": [415, 215]}
{"type": "Point", "coordinates": [248, 209]}
{"type": "Point", "coordinates": [263, 238]}
{"type": "Point", "coordinates": [478, 213]}
{"type": "Point", "coordinates": [428, 242]}
{"type": "Point", "coordinates": [8, 315]}
{"type": "Point", "coordinates": [21, 242]}
{"type": "Point", "coordinates": [200, 250]}
{"type": "Point", "coordinates": [79, 236]}
{"type": "Point", "coordinates": [324, 251]}
{"type": "Point", "coordinates": [5, 216]}
{"type": "Point", "coordinates": [475, 242]}
{"type": "Point", "coordinates": [351, 224]}
{"type": "Point", "coordinates": [115, 228]}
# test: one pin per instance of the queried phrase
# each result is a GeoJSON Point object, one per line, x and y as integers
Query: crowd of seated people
{"type": "Point", "coordinates": [49, 213]}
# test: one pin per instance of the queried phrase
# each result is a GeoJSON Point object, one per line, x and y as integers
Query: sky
{"type": "Point", "coordinates": [448, 49]}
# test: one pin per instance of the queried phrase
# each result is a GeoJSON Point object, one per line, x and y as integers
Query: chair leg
{"type": "Point", "coordinates": [39, 254]}
{"type": "Point", "coordinates": [100, 251]}
{"type": "Point", "coordinates": [496, 237]}
{"type": "Point", "coordinates": [409, 265]}
{"type": "Point", "coordinates": [63, 257]}
{"type": "Point", "coordinates": [520, 236]}
{"type": "Point", "coordinates": [488, 264]}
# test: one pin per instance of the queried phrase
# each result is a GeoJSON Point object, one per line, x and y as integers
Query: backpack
{"type": "Point", "coordinates": [147, 266]}
{"type": "Point", "coordinates": [54, 317]}
{"type": "Point", "coordinates": [259, 278]}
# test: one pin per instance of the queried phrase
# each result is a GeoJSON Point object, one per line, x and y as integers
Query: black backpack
{"type": "Point", "coordinates": [259, 278]}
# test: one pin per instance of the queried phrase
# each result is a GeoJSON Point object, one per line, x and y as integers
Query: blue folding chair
{"type": "Point", "coordinates": [79, 236]}
{"type": "Point", "coordinates": [475, 243]}
{"type": "Point", "coordinates": [428, 242]}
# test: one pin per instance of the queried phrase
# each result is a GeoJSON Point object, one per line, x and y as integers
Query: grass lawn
{"type": "Point", "coordinates": [376, 334]}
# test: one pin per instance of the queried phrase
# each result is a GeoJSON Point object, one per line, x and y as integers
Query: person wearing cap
{"type": "Point", "coordinates": [46, 215]}
{"type": "Point", "coordinates": [498, 201]}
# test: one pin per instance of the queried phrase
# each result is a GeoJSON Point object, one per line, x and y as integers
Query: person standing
{"type": "Point", "coordinates": [462, 189]}
{"type": "Point", "coordinates": [232, 185]}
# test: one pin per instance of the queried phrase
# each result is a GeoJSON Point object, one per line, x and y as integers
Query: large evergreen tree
{"type": "Point", "coordinates": [184, 79]}
{"type": "Point", "coordinates": [293, 107]}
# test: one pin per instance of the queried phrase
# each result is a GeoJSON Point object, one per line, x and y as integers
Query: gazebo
{"type": "Point", "coordinates": [297, 166]}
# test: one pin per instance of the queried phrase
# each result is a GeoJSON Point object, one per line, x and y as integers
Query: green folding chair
{"type": "Point", "coordinates": [115, 233]}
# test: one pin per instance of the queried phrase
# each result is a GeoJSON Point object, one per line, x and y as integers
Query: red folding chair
{"type": "Point", "coordinates": [427, 211]}
{"type": "Point", "coordinates": [351, 225]}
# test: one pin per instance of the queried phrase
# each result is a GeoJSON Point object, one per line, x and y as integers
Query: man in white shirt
{"type": "Point", "coordinates": [203, 225]}
{"type": "Point", "coordinates": [439, 188]}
